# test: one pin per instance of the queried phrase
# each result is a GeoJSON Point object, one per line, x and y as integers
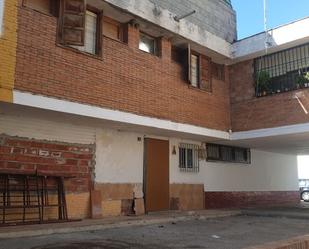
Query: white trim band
{"type": "Point", "coordinates": [269, 132]}
{"type": "Point", "coordinates": [38, 101]}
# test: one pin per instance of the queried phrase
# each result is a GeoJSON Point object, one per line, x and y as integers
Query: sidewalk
{"type": "Point", "coordinates": [113, 222]}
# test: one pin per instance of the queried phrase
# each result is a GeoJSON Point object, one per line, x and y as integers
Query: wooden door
{"type": "Point", "coordinates": [156, 175]}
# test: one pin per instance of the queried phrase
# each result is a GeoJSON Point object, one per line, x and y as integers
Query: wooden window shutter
{"type": "Point", "coordinates": [54, 6]}
{"type": "Point", "coordinates": [218, 71]}
{"type": "Point", "coordinates": [189, 63]}
{"type": "Point", "coordinates": [205, 73]}
{"type": "Point", "coordinates": [72, 22]}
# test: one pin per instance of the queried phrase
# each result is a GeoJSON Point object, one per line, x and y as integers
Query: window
{"type": "Point", "coordinates": [216, 152]}
{"type": "Point", "coordinates": [147, 44]}
{"type": "Point", "coordinates": [195, 70]}
{"type": "Point", "coordinates": [112, 29]}
{"type": "Point", "coordinates": [71, 23]}
{"type": "Point", "coordinates": [90, 44]}
{"type": "Point", "coordinates": [199, 70]}
{"type": "Point", "coordinates": [80, 27]}
{"type": "Point", "coordinates": [282, 71]}
{"type": "Point", "coordinates": [188, 157]}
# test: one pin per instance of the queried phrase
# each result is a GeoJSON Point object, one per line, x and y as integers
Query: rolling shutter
{"type": "Point", "coordinates": [72, 22]}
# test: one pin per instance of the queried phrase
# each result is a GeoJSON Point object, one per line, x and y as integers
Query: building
{"type": "Point", "coordinates": [147, 109]}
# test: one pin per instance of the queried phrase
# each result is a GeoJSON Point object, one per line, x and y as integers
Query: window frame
{"type": "Point", "coordinates": [155, 43]}
{"type": "Point", "coordinates": [119, 25]}
{"type": "Point", "coordinates": [99, 35]}
{"type": "Point", "coordinates": [99, 24]}
{"type": "Point", "coordinates": [183, 164]}
{"type": "Point", "coordinates": [201, 58]}
{"type": "Point", "coordinates": [198, 68]}
{"type": "Point", "coordinates": [218, 71]}
{"type": "Point", "coordinates": [233, 154]}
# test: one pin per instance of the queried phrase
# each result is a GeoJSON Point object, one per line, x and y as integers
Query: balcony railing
{"type": "Point", "coordinates": [283, 71]}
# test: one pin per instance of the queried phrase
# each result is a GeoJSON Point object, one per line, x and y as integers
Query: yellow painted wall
{"type": "Point", "coordinates": [8, 43]}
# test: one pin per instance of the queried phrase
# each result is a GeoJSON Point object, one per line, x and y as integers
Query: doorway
{"type": "Point", "coordinates": [156, 175]}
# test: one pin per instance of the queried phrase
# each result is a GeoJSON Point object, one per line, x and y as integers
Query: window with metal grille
{"type": "Point", "coordinates": [188, 157]}
{"type": "Point", "coordinates": [282, 71]}
{"type": "Point", "coordinates": [216, 152]}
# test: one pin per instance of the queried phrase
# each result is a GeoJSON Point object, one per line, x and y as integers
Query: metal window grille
{"type": "Point", "coordinates": [188, 157]}
{"type": "Point", "coordinates": [286, 70]}
{"type": "Point", "coordinates": [216, 152]}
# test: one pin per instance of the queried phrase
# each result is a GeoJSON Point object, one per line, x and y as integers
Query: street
{"type": "Point", "coordinates": [222, 233]}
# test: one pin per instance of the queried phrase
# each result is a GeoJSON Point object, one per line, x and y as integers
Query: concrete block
{"type": "Point", "coordinates": [96, 204]}
{"type": "Point", "coordinates": [138, 190]}
{"type": "Point", "coordinates": [139, 207]}
{"type": "Point", "coordinates": [111, 208]}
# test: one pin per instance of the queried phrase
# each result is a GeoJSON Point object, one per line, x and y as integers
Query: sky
{"type": "Point", "coordinates": [250, 14]}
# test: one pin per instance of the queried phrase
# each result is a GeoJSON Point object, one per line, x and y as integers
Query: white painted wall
{"type": "Point", "coordinates": [119, 154]}
{"type": "Point", "coordinates": [1, 16]}
{"type": "Point", "coordinates": [176, 176]}
{"type": "Point", "coordinates": [44, 125]}
{"type": "Point", "coordinates": [119, 157]}
{"type": "Point", "coordinates": [267, 172]}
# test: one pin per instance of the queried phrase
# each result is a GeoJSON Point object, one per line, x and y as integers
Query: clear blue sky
{"type": "Point", "coordinates": [250, 18]}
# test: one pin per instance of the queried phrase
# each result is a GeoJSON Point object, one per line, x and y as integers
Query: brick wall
{"type": "Point", "coordinates": [124, 78]}
{"type": "Point", "coordinates": [25, 155]}
{"type": "Point", "coordinates": [214, 200]}
{"type": "Point", "coordinates": [249, 112]}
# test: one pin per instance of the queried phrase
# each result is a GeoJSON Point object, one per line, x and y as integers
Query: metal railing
{"type": "Point", "coordinates": [284, 71]}
{"type": "Point", "coordinates": [289, 81]}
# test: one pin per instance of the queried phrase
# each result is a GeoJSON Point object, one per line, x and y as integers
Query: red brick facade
{"type": "Point", "coordinates": [249, 112]}
{"type": "Point", "coordinates": [25, 155]}
{"type": "Point", "coordinates": [215, 200]}
{"type": "Point", "coordinates": [125, 78]}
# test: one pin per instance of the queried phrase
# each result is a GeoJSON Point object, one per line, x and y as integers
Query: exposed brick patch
{"type": "Point", "coordinates": [127, 207]}
{"type": "Point", "coordinates": [215, 200]}
{"type": "Point", "coordinates": [127, 79]}
{"type": "Point", "coordinates": [31, 155]}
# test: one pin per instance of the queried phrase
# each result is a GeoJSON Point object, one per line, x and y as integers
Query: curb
{"type": "Point", "coordinates": [121, 224]}
{"type": "Point", "coordinates": [275, 214]}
